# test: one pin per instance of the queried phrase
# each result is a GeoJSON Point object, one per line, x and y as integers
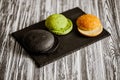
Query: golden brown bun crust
{"type": "Point", "coordinates": [88, 22]}
{"type": "Point", "coordinates": [89, 25]}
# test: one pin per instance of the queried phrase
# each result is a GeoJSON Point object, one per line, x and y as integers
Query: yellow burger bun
{"type": "Point", "coordinates": [89, 25]}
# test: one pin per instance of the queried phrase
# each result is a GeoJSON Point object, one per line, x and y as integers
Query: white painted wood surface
{"type": "Point", "coordinates": [99, 61]}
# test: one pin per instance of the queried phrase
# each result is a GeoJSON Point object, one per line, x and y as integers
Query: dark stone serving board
{"type": "Point", "coordinates": [67, 44]}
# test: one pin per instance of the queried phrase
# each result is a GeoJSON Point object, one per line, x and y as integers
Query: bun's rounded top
{"type": "Point", "coordinates": [88, 22]}
{"type": "Point", "coordinates": [59, 24]}
{"type": "Point", "coordinates": [56, 22]}
{"type": "Point", "coordinates": [38, 41]}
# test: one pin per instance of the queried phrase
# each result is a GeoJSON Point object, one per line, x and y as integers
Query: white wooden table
{"type": "Point", "coordinates": [99, 61]}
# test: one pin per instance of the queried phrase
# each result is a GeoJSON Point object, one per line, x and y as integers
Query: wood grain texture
{"type": "Point", "coordinates": [99, 61]}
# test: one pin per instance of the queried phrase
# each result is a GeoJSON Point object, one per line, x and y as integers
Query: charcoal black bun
{"type": "Point", "coordinates": [38, 41]}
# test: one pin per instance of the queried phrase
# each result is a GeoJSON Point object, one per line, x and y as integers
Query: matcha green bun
{"type": "Point", "coordinates": [59, 24]}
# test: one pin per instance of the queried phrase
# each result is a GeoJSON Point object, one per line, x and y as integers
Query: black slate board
{"type": "Point", "coordinates": [67, 44]}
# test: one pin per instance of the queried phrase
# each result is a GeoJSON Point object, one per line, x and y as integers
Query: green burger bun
{"type": "Point", "coordinates": [58, 24]}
